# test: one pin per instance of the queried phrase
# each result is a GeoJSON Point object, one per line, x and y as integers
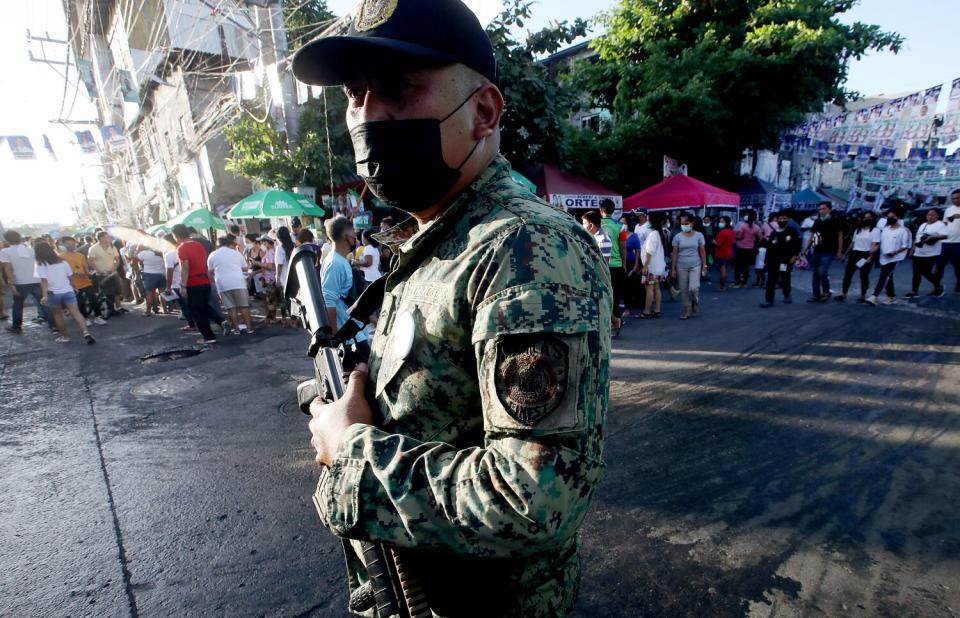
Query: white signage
{"type": "Point", "coordinates": [571, 202]}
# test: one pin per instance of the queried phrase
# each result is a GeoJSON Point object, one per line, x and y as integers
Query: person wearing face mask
{"type": "Point", "coordinates": [950, 247]}
{"type": "Point", "coordinates": [748, 236]}
{"type": "Point", "coordinates": [926, 252]}
{"type": "Point", "coordinates": [827, 245]}
{"type": "Point", "coordinates": [783, 248]}
{"type": "Point", "coordinates": [723, 248]}
{"type": "Point", "coordinates": [895, 242]}
{"type": "Point", "coordinates": [688, 264]}
{"type": "Point", "coordinates": [860, 255]}
{"type": "Point", "coordinates": [473, 443]}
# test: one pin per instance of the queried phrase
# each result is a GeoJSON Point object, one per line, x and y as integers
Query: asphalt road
{"type": "Point", "coordinates": [796, 461]}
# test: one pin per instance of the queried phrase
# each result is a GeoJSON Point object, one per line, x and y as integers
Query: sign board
{"type": "Point", "coordinates": [579, 202]}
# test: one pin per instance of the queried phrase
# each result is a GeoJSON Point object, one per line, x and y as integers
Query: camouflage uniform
{"type": "Point", "coordinates": [488, 442]}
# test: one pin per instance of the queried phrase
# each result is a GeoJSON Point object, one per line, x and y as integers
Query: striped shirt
{"type": "Point", "coordinates": [605, 245]}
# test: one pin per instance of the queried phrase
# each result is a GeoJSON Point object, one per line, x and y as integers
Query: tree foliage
{"type": "Point", "coordinates": [305, 20]}
{"type": "Point", "coordinates": [538, 106]}
{"type": "Point", "coordinates": [701, 80]}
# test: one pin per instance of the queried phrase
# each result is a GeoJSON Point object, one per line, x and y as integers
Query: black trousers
{"type": "Point", "coordinates": [619, 279]}
{"type": "Point", "coordinates": [886, 280]}
{"type": "Point", "coordinates": [852, 259]}
{"type": "Point", "coordinates": [198, 301]}
{"type": "Point", "coordinates": [774, 274]}
{"type": "Point", "coordinates": [926, 268]}
{"type": "Point", "coordinates": [742, 261]}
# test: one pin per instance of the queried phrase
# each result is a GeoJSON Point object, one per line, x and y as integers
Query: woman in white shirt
{"type": "Point", "coordinates": [154, 272]}
{"type": "Point", "coordinates": [56, 291]}
{"type": "Point", "coordinates": [654, 267]}
{"type": "Point", "coordinates": [369, 261]}
{"type": "Point", "coordinates": [895, 241]}
{"type": "Point", "coordinates": [860, 255]}
{"type": "Point", "coordinates": [926, 253]}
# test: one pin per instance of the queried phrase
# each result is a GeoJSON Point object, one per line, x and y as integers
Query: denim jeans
{"type": "Point", "coordinates": [29, 289]}
{"type": "Point", "coordinates": [820, 263]}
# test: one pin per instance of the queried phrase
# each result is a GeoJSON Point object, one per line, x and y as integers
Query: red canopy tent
{"type": "Point", "coordinates": [566, 190]}
{"type": "Point", "coordinates": [680, 192]}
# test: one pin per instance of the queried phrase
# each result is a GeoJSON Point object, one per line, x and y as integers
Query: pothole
{"type": "Point", "coordinates": [172, 354]}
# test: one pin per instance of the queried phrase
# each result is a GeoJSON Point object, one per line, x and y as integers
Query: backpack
{"type": "Point", "coordinates": [359, 285]}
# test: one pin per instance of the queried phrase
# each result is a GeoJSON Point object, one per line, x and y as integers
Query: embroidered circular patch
{"type": "Point", "coordinates": [531, 376]}
{"type": "Point", "coordinates": [374, 13]}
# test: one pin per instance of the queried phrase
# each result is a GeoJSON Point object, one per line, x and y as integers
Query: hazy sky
{"type": "Point", "coordinates": [45, 191]}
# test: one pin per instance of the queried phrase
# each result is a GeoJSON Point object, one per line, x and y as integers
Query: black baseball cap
{"type": "Point", "coordinates": [382, 31]}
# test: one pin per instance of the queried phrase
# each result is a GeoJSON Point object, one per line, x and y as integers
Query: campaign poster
{"type": "Point", "coordinates": [950, 130]}
{"type": "Point", "coordinates": [85, 141]}
{"type": "Point", "coordinates": [86, 76]}
{"type": "Point", "coordinates": [127, 88]}
{"type": "Point", "coordinates": [21, 147]}
{"type": "Point", "coordinates": [113, 137]}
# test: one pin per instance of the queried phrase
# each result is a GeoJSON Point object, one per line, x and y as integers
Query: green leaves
{"type": "Point", "coordinates": [701, 80]}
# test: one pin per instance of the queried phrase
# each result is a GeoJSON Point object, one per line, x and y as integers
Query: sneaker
{"type": "Point", "coordinates": [89, 322]}
{"type": "Point", "coordinates": [890, 300]}
{"type": "Point", "coordinates": [99, 321]}
{"type": "Point", "coordinates": [911, 295]}
{"type": "Point", "coordinates": [766, 305]}
{"type": "Point", "coordinates": [938, 292]}
{"type": "Point", "coordinates": [38, 320]}
{"type": "Point", "coordinates": [861, 300]}
{"type": "Point", "coordinates": [89, 338]}
{"type": "Point", "coordinates": [206, 341]}
{"type": "Point", "coordinates": [872, 299]}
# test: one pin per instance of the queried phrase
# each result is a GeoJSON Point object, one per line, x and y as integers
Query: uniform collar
{"type": "Point", "coordinates": [409, 237]}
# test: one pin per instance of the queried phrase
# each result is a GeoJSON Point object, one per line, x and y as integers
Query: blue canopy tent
{"type": "Point", "coordinates": [808, 199]}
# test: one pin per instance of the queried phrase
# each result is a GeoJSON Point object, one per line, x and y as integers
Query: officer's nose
{"type": "Point", "coordinates": [374, 108]}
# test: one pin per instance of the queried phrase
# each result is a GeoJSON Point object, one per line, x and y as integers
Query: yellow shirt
{"type": "Point", "coordinates": [78, 263]}
{"type": "Point", "coordinates": [102, 259]}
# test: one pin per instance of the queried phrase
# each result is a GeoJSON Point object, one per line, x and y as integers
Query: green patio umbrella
{"type": "Point", "coordinates": [200, 218]}
{"type": "Point", "coordinates": [524, 182]}
{"type": "Point", "coordinates": [160, 228]}
{"type": "Point", "coordinates": [274, 203]}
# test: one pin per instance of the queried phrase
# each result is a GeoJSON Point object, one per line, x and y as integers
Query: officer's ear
{"type": "Point", "coordinates": [489, 109]}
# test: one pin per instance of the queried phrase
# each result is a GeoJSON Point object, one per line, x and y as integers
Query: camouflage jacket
{"type": "Point", "coordinates": [489, 373]}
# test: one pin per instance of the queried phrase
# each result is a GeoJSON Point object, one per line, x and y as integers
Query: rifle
{"type": "Point", "coordinates": [390, 588]}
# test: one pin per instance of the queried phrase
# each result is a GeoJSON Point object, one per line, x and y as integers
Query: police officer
{"type": "Point", "coordinates": [473, 443]}
{"type": "Point", "coordinates": [783, 248]}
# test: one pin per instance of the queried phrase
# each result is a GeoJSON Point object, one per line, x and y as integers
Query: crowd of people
{"type": "Point", "coordinates": [654, 253]}
{"type": "Point", "coordinates": [89, 280]}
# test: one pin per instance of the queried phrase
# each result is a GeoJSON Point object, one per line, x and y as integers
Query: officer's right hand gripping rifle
{"type": "Point", "coordinates": [390, 588]}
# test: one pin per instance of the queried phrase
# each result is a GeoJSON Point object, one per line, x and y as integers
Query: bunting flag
{"type": "Point", "coordinates": [21, 147]}
{"type": "Point", "coordinates": [128, 90]}
{"type": "Point", "coordinates": [85, 141]}
{"type": "Point", "coordinates": [950, 131]}
{"type": "Point", "coordinates": [86, 75]}
{"type": "Point", "coordinates": [113, 137]}
{"type": "Point", "coordinates": [49, 146]}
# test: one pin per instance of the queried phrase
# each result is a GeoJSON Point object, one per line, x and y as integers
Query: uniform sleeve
{"type": "Point", "coordinates": [541, 341]}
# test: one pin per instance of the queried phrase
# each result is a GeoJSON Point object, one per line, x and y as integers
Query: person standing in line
{"type": "Point", "coordinates": [807, 228]}
{"type": "Point", "coordinates": [827, 244]}
{"type": "Point", "coordinates": [18, 261]}
{"type": "Point", "coordinates": [154, 276]}
{"type": "Point", "coordinates": [200, 238]}
{"type": "Point", "coordinates": [654, 267]}
{"type": "Point", "coordinates": [926, 253]}
{"type": "Point", "coordinates": [228, 267]}
{"type": "Point", "coordinates": [196, 281]}
{"type": "Point", "coordinates": [709, 235]}
{"type": "Point", "coordinates": [783, 248]}
{"type": "Point", "coordinates": [336, 278]}
{"type": "Point", "coordinates": [369, 261]}
{"type": "Point", "coordinates": [747, 235]}
{"type": "Point", "coordinates": [768, 230]}
{"type": "Point", "coordinates": [895, 242]}
{"type": "Point", "coordinates": [723, 248]}
{"type": "Point", "coordinates": [689, 261]}
{"type": "Point", "coordinates": [268, 279]}
{"type": "Point", "coordinates": [617, 251]}
{"type": "Point", "coordinates": [592, 223]}
{"type": "Point", "coordinates": [950, 248]}
{"type": "Point", "coordinates": [175, 283]}
{"type": "Point", "coordinates": [860, 256]}
{"type": "Point", "coordinates": [56, 292]}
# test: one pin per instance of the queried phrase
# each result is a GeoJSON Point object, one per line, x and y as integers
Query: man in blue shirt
{"type": "Point", "coordinates": [336, 274]}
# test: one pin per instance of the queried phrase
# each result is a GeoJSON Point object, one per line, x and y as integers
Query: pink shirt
{"type": "Point", "coordinates": [747, 235]}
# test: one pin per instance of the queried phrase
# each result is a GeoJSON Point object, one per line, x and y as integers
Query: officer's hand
{"type": "Point", "coordinates": [331, 420]}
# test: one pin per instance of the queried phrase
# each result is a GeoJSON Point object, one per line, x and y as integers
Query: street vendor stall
{"type": "Point", "coordinates": [682, 193]}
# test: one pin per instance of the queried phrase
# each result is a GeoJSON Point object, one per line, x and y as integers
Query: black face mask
{"type": "Point", "coordinates": [402, 160]}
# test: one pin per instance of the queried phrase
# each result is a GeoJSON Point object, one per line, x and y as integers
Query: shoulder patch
{"type": "Point", "coordinates": [531, 376]}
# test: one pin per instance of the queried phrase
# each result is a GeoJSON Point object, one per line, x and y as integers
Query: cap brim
{"type": "Point", "coordinates": [335, 60]}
